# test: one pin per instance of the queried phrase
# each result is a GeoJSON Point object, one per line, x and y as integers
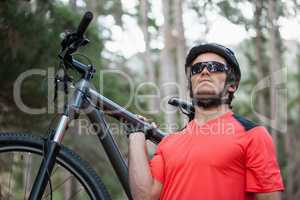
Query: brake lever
{"type": "Point", "coordinates": [71, 44]}
{"type": "Point", "coordinates": [73, 41]}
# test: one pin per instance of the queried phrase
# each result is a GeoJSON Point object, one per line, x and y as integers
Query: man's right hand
{"type": "Point", "coordinates": [131, 129]}
{"type": "Point", "coordinates": [143, 186]}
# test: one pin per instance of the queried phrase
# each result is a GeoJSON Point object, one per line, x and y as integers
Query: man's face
{"type": "Point", "coordinates": [209, 84]}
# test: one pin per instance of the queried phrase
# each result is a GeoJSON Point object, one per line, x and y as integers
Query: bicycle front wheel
{"type": "Point", "coordinates": [71, 178]}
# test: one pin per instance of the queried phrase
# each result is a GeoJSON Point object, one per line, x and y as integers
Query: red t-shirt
{"type": "Point", "coordinates": [228, 158]}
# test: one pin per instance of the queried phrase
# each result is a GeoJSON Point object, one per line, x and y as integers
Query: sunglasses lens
{"type": "Point", "coordinates": [211, 66]}
{"type": "Point", "coordinates": [219, 67]}
{"type": "Point", "coordinates": [196, 68]}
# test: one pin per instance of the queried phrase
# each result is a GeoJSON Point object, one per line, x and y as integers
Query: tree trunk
{"type": "Point", "coordinates": [150, 70]}
{"type": "Point", "coordinates": [27, 173]}
{"type": "Point", "coordinates": [73, 4]}
{"type": "Point", "coordinates": [167, 74]}
{"type": "Point", "coordinates": [296, 161]}
{"type": "Point", "coordinates": [92, 5]}
{"type": "Point", "coordinates": [70, 186]}
{"type": "Point", "coordinates": [278, 102]}
{"type": "Point", "coordinates": [292, 147]}
{"type": "Point", "coordinates": [262, 103]}
{"type": "Point", "coordinates": [278, 112]}
{"type": "Point", "coordinates": [67, 186]}
{"type": "Point", "coordinates": [180, 51]}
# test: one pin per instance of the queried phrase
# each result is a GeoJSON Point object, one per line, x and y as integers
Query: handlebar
{"type": "Point", "coordinates": [186, 107]}
{"type": "Point", "coordinates": [85, 21]}
{"type": "Point", "coordinates": [174, 101]}
{"type": "Point", "coordinates": [74, 40]}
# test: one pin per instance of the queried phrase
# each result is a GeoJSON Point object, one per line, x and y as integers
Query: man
{"type": "Point", "coordinates": [218, 155]}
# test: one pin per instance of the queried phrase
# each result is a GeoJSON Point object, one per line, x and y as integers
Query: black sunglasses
{"type": "Point", "coordinates": [211, 66]}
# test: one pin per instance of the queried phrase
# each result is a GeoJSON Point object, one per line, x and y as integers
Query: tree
{"type": "Point", "coordinates": [180, 48]}
{"type": "Point", "coordinates": [30, 35]}
{"type": "Point", "coordinates": [260, 56]}
{"type": "Point", "coordinates": [167, 73]}
{"type": "Point", "coordinates": [277, 98]}
{"type": "Point", "coordinates": [150, 69]}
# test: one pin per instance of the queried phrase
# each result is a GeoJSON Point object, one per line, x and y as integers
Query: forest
{"type": "Point", "coordinates": [138, 48]}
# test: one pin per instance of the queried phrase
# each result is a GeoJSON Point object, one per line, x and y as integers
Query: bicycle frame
{"type": "Point", "coordinates": [79, 101]}
{"type": "Point", "coordinates": [96, 117]}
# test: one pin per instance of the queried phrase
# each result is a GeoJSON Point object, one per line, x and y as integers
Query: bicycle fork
{"type": "Point", "coordinates": [53, 145]}
{"type": "Point", "coordinates": [50, 153]}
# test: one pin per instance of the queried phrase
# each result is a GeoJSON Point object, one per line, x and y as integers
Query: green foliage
{"type": "Point", "coordinates": [231, 12]}
{"type": "Point", "coordinates": [30, 39]}
{"type": "Point", "coordinates": [22, 45]}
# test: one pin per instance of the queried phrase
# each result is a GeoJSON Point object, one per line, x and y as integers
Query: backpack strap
{"type": "Point", "coordinates": [247, 124]}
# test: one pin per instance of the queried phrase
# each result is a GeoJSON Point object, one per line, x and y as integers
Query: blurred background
{"type": "Point", "coordinates": [145, 42]}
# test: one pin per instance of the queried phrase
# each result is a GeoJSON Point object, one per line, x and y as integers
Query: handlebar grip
{"type": "Point", "coordinates": [181, 103]}
{"type": "Point", "coordinates": [173, 101]}
{"type": "Point", "coordinates": [85, 21]}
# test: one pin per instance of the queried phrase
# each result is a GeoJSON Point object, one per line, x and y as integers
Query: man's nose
{"type": "Point", "coordinates": [205, 71]}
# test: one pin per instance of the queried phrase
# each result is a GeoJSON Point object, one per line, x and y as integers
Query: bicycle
{"type": "Point", "coordinates": [50, 152]}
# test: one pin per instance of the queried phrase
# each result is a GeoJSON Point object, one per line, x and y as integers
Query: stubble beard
{"type": "Point", "coordinates": [208, 99]}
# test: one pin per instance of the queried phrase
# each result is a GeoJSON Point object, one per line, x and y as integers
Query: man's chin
{"type": "Point", "coordinates": [205, 95]}
{"type": "Point", "coordinates": [206, 100]}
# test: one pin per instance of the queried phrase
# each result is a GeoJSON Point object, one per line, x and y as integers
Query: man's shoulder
{"type": "Point", "coordinates": [251, 127]}
{"type": "Point", "coordinates": [245, 122]}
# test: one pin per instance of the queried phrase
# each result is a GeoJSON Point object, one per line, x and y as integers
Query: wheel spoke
{"type": "Point", "coordinates": [58, 186]}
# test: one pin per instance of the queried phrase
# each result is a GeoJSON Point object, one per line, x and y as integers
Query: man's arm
{"type": "Point", "coordinates": [143, 186]}
{"type": "Point", "coordinates": [268, 196]}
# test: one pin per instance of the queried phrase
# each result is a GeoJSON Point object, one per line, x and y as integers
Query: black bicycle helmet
{"type": "Point", "coordinates": [221, 50]}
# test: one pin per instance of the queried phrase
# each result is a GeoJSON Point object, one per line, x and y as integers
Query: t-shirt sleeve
{"type": "Point", "coordinates": [157, 163]}
{"type": "Point", "coordinates": [262, 170]}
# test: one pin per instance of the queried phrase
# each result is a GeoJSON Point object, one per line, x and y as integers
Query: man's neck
{"type": "Point", "coordinates": [202, 115]}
